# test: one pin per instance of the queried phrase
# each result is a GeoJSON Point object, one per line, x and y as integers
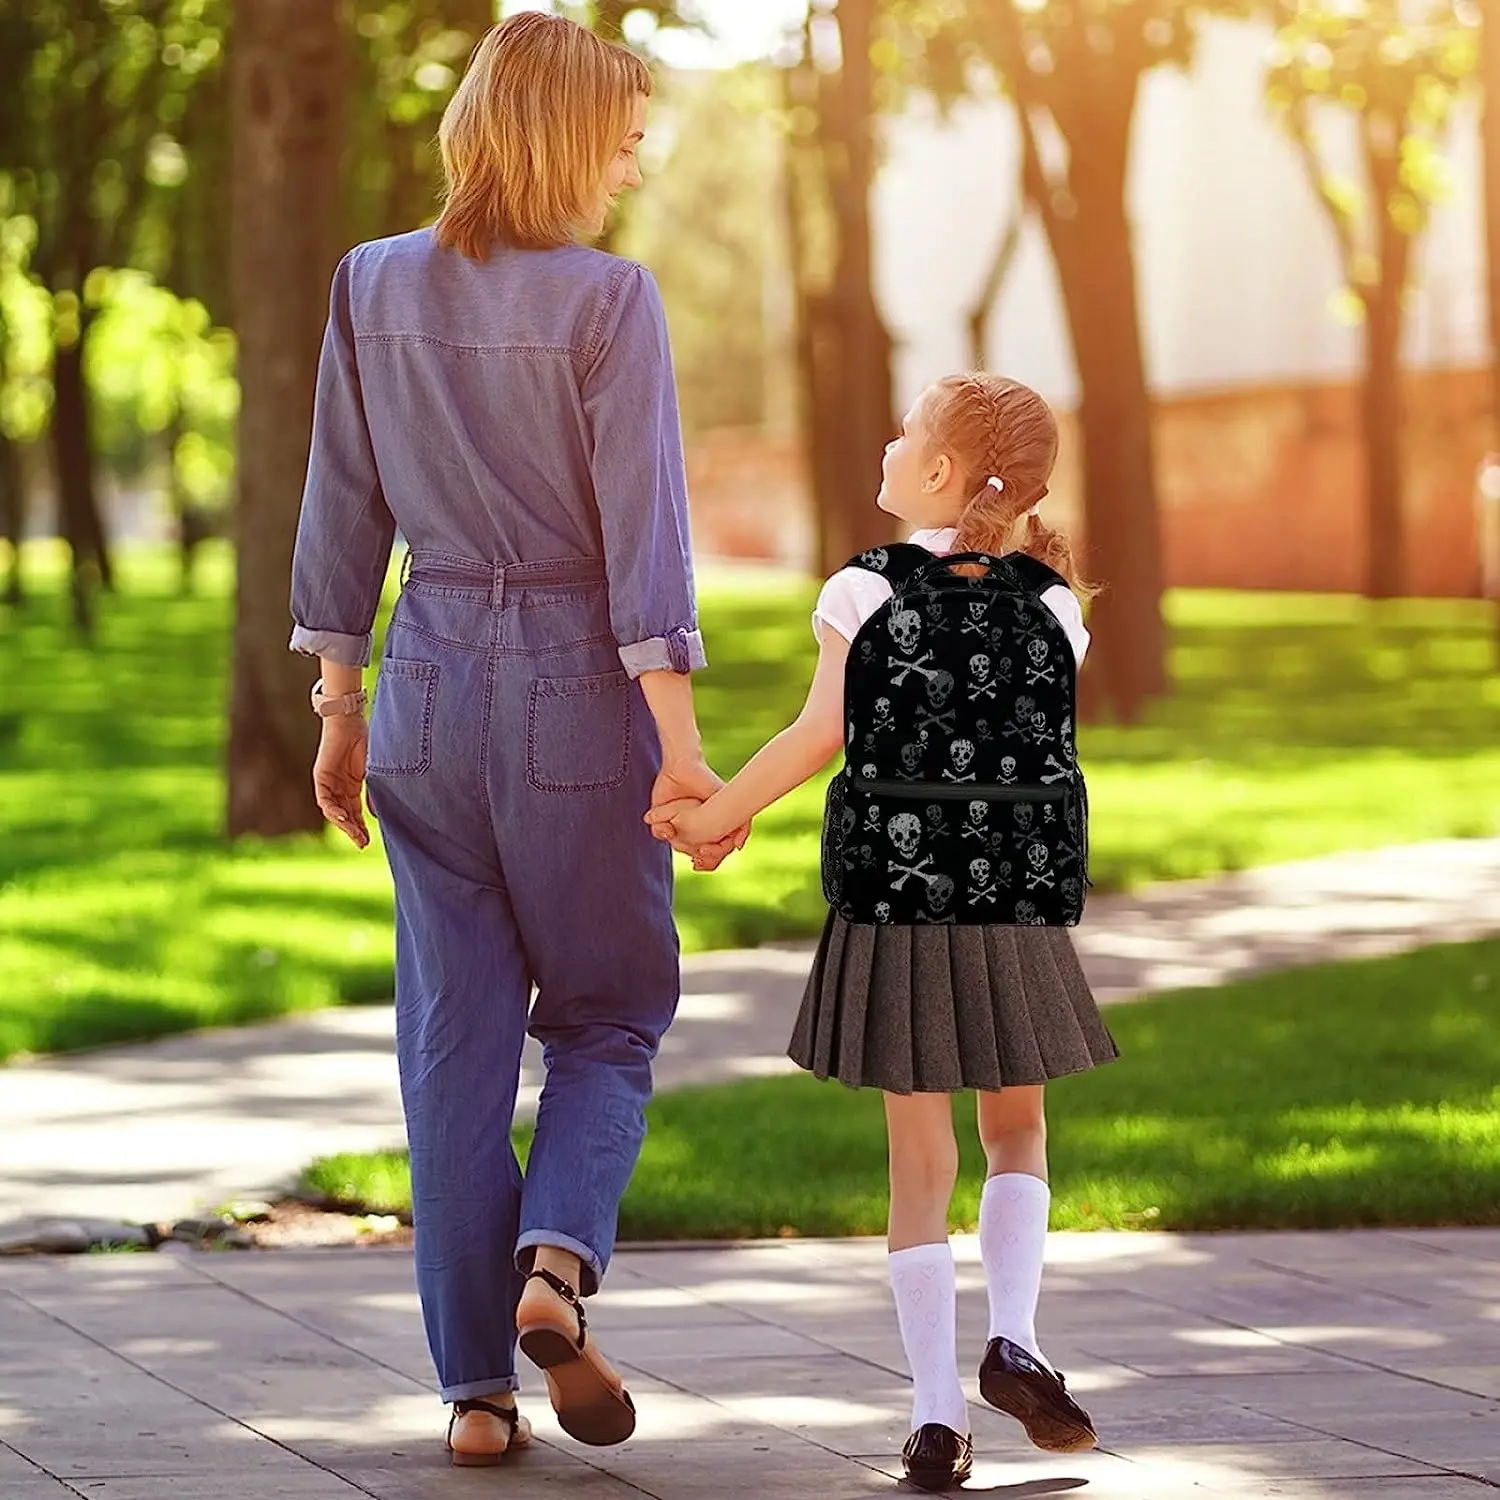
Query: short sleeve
{"type": "Point", "coordinates": [847, 600]}
{"type": "Point", "coordinates": [1063, 603]}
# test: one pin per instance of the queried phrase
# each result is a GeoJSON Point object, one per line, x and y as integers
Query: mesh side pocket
{"type": "Point", "coordinates": [833, 841]}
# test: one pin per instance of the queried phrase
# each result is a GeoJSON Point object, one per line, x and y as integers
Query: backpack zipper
{"type": "Point", "coordinates": [961, 791]}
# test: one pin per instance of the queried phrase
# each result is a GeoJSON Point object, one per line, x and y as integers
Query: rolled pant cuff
{"type": "Point", "coordinates": [534, 1238]}
{"type": "Point", "coordinates": [477, 1390]}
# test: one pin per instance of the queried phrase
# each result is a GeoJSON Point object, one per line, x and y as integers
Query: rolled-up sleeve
{"type": "Point", "coordinates": [345, 531]}
{"type": "Point", "coordinates": [640, 483]}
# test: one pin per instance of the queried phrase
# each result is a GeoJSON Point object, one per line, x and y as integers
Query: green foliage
{"type": "Point", "coordinates": [1398, 69]}
{"type": "Point", "coordinates": [714, 141]}
{"type": "Point", "coordinates": [409, 58]}
{"type": "Point", "coordinates": [1328, 1097]}
{"type": "Point", "coordinates": [105, 87]}
{"type": "Point", "coordinates": [158, 367]}
{"type": "Point", "coordinates": [25, 335]}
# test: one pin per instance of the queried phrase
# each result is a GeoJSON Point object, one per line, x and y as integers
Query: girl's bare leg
{"type": "Point", "coordinates": [924, 1167]}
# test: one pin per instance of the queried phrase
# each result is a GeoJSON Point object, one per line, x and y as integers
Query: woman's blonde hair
{"type": "Point", "coordinates": [529, 134]}
{"type": "Point", "coordinates": [991, 427]}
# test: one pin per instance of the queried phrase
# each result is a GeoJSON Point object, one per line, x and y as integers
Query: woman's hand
{"type": "Point", "coordinates": [687, 825]}
{"type": "Point", "coordinates": [339, 775]}
{"type": "Point", "coordinates": [694, 781]}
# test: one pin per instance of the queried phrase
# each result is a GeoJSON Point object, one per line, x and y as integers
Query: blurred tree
{"type": "Point", "coordinates": [95, 90]}
{"type": "Point", "coordinates": [833, 95]}
{"type": "Point", "coordinates": [1490, 78]}
{"type": "Point", "coordinates": [1395, 67]}
{"type": "Point", "coordinates": [12, 489]}
{"type": "Point", "coordinates": [1073, 69]}
{"type": "Point", "coordinates": [723, 148]}
{"type": "Point", "coordinates": [409, 58]}
{"type": "Point", "coordinates": [94, 80]}
{"type": "Point", "coordinates": [288, 81]}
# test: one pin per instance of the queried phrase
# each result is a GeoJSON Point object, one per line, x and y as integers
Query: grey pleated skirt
{"type": "Point", "coordinates": [930, 1010]}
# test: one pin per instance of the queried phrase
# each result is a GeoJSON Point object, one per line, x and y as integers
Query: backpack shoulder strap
{"type": "Point", "coordinates": [1035, 577]}
{"type": "Point", "coordinates": [895, 563]}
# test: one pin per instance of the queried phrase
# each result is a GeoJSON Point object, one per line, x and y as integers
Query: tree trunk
{"type": "Point", "coordinates": [852, 522]}
{"type": "Point", "coordinates": [12, 516]}
{"type": "Point", "coordinates": [1490, 80]}
{"type": "Point", "coordinates": [1380, 415]}
{"type": "Point", "coordinates": [12, 490]}
{"type": "Point", "coordinates": [1088, 227]}
{"type": "Point", "coordinates": [994, 282]}
{"type": "Point", "coordinates": [79, 521]}
{"type": "Point", "coordinates": [1490, 76]}
{"type": "Point", "coordinates": [843, 348]}
{"type": "Point", "coordinates": [1380, 396]}
{"type": "Point", "coordinates": [287, 101]}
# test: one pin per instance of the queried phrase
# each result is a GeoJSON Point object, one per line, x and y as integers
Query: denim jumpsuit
{"type": "Point", "coordinates": [517, 421]}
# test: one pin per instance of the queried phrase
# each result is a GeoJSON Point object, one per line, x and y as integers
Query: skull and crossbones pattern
{"type": "Point", "coordinates": [981, 683]}
{"type": "Point", "coordinates": [976, 825]}
{"type": "Point", "coordinates": [1040, 873]}
{"type": "Point", "coordinates": [961, 753]}
{"type": "Point", "coordinates": [905, 626]}
{"type": "Point", "coordinates": [940, 887]}
{"type": "Point", "coordinates": [982, 884]}
{"type": "Point", "coordinates": [905, 832]}
{"type": "Point", "coordinates": [1039, 665]}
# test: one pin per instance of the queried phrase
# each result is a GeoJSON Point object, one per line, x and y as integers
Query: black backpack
{"type": "Point", "coordinates": [961, 800]}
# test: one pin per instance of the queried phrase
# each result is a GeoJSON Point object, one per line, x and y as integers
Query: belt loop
{"type": "Point", "coordinates": [497, 587]}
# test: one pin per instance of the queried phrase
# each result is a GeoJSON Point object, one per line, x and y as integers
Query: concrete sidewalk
{"type": "Point", "coordinates": [1309, 1367]}
{"type": "Point", "coordinates": [162, 1130]}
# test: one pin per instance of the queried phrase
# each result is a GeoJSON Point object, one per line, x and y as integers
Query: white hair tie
{"type": "Point", "coordinates": [998, 485]}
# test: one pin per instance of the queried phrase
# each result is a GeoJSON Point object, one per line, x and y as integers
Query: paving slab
{"type": "Point", "coordinates": [171, 1128]}
{"type": "Point", "coordinates": [759, 1370]}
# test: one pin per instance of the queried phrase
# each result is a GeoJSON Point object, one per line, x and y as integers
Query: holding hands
{"type": "Point", "coordinates": [682, 816]}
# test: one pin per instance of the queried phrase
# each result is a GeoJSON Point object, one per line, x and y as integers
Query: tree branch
{"type": "Point", "coordinates": [994, 282]}
{"type": "Point", "coordinates": [1344, 226]}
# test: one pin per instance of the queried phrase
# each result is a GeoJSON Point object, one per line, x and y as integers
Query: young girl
{"type": "Point", "coordinates": [923, 1012]}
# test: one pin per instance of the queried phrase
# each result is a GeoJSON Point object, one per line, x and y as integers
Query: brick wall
{"type": "Point", "coordinates": [1260, 489]}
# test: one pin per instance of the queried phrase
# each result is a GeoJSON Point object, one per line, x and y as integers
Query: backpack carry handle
{"type": "Point", "coordinates": [928, 570]}
{"type": "Point", "coordinates": [1016, 568]}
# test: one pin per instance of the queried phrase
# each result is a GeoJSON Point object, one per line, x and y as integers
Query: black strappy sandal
{"type": "Point", "coordinates": [590, 1399]}
{"type": "Point", "coordinates": [515, 1436]}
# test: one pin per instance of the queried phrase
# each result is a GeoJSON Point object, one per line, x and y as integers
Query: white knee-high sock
{"type": "Point", "coordinates": [1012, 1243]}
{"type": "Point", "coordinates": [923, 1283]}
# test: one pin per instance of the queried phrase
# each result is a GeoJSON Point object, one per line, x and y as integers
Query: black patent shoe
{"type": "Point", "coordinates": [937, 1458]}
{"type": "Point", "coordinates": [1014, 1382]}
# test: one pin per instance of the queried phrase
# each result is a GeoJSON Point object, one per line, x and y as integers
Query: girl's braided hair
{"type": "Point", "coordinates": [990, 426]}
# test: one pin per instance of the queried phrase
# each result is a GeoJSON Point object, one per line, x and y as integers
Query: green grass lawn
{"type": "Point", "coordinates": [1348, 1094]}
{"type": "Point", "coordinates": [1302, 725]}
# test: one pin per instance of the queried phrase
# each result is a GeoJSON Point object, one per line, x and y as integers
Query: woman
{"type": "Point", "coordinates": [505, 397]}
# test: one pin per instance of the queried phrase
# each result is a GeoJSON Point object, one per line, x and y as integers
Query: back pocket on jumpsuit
{"type": "Point", "coordinates": [578, 732]}
{"type": "Point", "coordinates": [401, 721]}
